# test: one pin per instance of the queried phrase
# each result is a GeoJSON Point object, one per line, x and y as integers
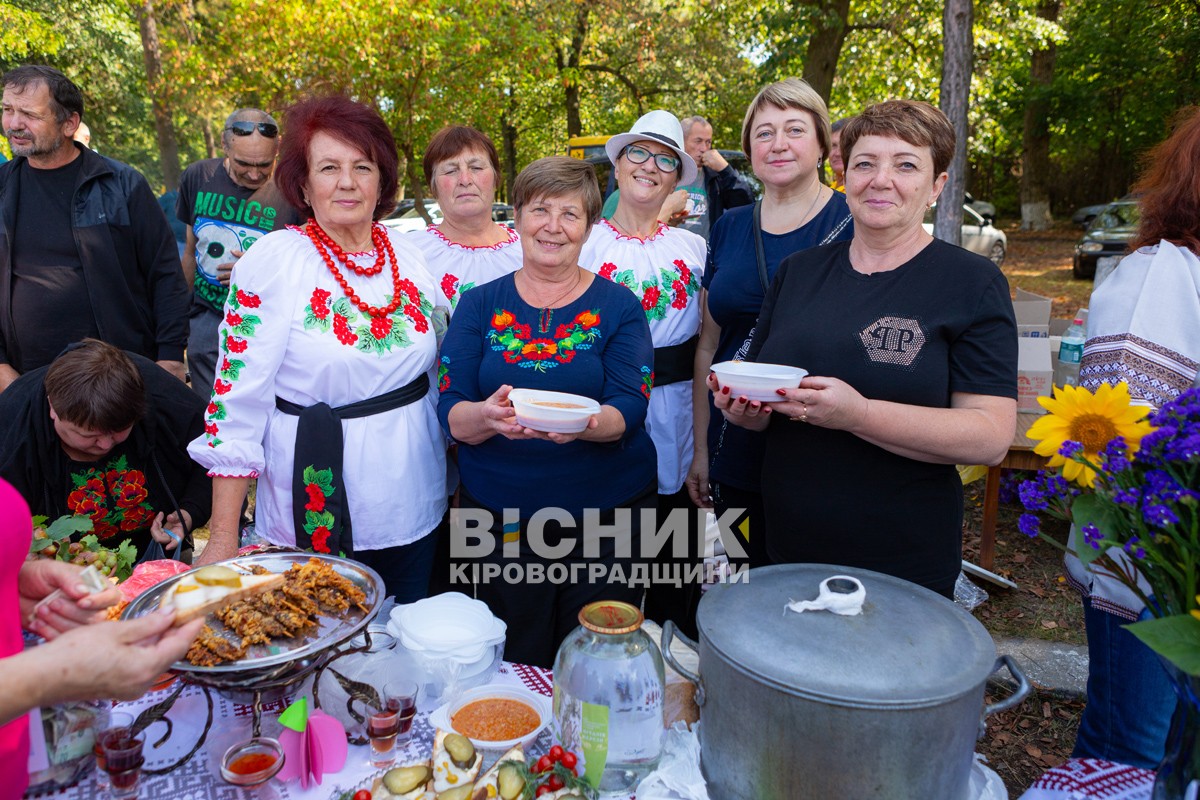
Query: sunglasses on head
{"type": "Point", "coordinates": [640, 155]}
{"type": "Point", "coordinates": [240, 128]}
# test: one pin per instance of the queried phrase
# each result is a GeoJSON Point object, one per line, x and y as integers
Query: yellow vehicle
{"type": "Point", "coordinates": [583, 147]}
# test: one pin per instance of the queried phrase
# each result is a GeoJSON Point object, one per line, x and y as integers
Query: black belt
{"type": "Point", "coordinates": [320, 508]}
{"type": "Point", "coordinates": [675, 363]}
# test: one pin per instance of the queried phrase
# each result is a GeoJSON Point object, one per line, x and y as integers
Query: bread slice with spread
{"type": "Point", "coordinates": [207, 589]}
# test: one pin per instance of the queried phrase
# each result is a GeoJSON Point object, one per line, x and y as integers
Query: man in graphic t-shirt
{"type": "Point", "coordinates": [719, 186]}
{"type": "Point", "coordinates": [228, 204]}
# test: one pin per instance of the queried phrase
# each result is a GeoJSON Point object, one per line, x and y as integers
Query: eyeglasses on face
{"type": "Point", "coordinates": [242, 128]}
{"type": "Point", "coordinates": [640, 155]}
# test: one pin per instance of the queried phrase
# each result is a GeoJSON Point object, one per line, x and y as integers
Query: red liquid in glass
{"type": "Point", "coordinates": [99, 754]}
{"type": "Point", "coordinates": [122, 757]}
{"type": "Point", "coordinates": [382, 730]}
{"type": "Point", "coordinates": [407, 706]}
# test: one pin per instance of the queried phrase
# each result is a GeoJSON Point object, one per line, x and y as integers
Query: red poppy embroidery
{"type": "Point", "coordinates": [320, 539]}
{"type": "Point", "coordinates": [650, 297]}
{"type": "Point", "coordinates": [607, 270]}
{"type": "Point", "coordinates": [247, 299]}
{"type": "Point", "coordinates": [381, 327]}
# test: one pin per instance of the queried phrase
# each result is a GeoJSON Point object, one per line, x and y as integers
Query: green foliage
{"type": "Point", "coordinates": [1177, 639]}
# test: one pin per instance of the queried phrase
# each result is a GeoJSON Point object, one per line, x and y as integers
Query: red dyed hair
{"type": "Point", "coordinates": [1170, 187]}
{"type": "Point", "coordinates": [355, 124]}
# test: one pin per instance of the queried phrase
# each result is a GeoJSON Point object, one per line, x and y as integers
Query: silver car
{"type": "Point", "coordinates": [978, 235]}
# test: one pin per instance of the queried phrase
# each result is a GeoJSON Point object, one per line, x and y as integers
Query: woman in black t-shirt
{"type": "Point", "coordinates": [911, 349]}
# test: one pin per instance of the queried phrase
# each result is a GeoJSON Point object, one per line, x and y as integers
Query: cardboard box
{"type": "Point", "coordinates": [1035, 372]}
{"type": "Point", "coordinates": [1033, 314]}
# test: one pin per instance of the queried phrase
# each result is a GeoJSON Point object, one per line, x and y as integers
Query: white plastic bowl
{"type": "Point", "coordinates": [541, 704]}
{"type": "Point", "coordinates": [757, 381]}
{"type": "Point", "coordinates": [553, 412]}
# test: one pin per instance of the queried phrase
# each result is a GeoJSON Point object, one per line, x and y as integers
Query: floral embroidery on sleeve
{"type": "Point", "coordinates": [238, 329]}
{"type": "Point", "coordinates": [647, 381]}
{"type": "Point", "coordinates": [444, 374]}
{"type": "Point", "coordinates": [115, 498]}
{"type": "Point", "coordinates": [515, 341]}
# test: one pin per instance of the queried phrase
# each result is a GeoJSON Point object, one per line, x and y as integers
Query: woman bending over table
{"type": "Point", "coordinates": [551, 325]}
{"type": "Point", "coordinates": [322, 389]}
{"type": "Point", "coordinates": [911, 349]}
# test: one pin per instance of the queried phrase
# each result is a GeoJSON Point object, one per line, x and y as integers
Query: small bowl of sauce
{"type": "Point", "coordinates": [252, 763]}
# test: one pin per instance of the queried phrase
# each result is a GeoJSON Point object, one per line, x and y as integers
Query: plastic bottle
{"type": "Point", "coordinates": [1070, 352]}
{"type": "Point", "coordinates": [608, 697]}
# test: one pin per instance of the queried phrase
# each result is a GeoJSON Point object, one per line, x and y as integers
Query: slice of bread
{"type": "Point", "coordinates": [213, 598]}
{"type": "Point", "coordinates": [379, 790]}
{"type": "Point", "coordinates": [487, 787]}
{"type": "Point", "coordinates": [445, 774]}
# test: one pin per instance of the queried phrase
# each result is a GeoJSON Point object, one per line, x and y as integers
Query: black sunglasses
{"type": "Point", "coordinates": [640, 155]}
{"type": "Point", "coordinates": [240, 128]}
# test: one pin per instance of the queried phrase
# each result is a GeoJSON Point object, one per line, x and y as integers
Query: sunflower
{"type": "Point", "coordinates": [1092, 420]}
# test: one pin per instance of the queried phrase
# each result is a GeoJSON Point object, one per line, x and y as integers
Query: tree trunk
{"type": "Point", "coordinates": [825, 46]}
{"type": "Point", "coordinates": [569, 68]}
{"type": "Point", "coordinates": [210, 140]}
{"type": "Point", "coordinates": [1035, 159]}
{"type": "Point", "coordinates": [955, 94]}
{"type": "Point", "coordinates": [168, 146]}
{"type": "Point", "coordinates": [508, 133]}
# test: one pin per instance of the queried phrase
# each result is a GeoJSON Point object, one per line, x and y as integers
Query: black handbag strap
{"type": "Point", "coordinates": [758, 246]}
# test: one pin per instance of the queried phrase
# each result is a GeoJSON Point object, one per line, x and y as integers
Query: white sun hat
{"type": "Point", "coordinates": [659, 126]}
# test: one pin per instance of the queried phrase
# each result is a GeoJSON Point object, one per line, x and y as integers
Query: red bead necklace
{"type": "Point", "coordinates": [383, 248]}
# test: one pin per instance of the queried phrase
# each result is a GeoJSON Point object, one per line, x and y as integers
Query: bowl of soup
{"type": "Point", "coordinates": [496, 718]}
{"type": "Point", "coordinates": [553, 412]}
{"type": "Point", "coordinates": [757, 381]}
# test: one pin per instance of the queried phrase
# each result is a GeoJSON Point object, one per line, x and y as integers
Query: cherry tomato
{"type": "Point", "coordinates": [362, 794]}
{"type": "Point", "coordinates": [569, 760]}
{"type": "Point", "coordinates": [544, 764]}
{"type": "Point", "coordinates": [556, 753]}
{"type": "Point", "coordinates": [542, 790]}
{"type": "Point", "coordinates": [555, 783]}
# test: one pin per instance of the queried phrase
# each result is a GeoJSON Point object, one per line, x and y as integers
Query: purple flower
{"type": "Point", "coordinates": [1128, 497]}
{"type": "Point", "coordinates": [1134, 549]}
{"type": "Point", "coordinates": [1069, 449]}
{"type": "Point", "coordinates": [1033, 496]}
{"type": "Point", "coordinates": [1092, 535]}
{"type": "Point", "coordinates": [1159, 516]}
{"type": "Point", "coordinates": [1116, 455]}
{"type": "Point", "coordinates": [1029, 524]}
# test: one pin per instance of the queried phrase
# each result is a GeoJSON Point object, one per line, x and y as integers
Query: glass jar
{"type": "Point", "coordinates": [608, 696]}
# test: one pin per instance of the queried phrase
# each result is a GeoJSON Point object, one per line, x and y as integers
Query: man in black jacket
{"type": "Point", "coordinates": [85, 249]}
{"type": "Point", "coordinates": [102, 433]}
{"type": "Point", "coordinates": [721, 187]}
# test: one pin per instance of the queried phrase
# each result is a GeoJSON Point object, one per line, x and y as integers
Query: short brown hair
{"type": "Point", "coordinates": [790, 93]}
{"type": "Point", "coordinates": [1170, 187]}
{"type": "Point", "coordinates": [96, 386]}
{"type": "Point", "coordinates": [355, 124]}
{"type": "Point", "coordinates": [455, 139]}
{"type": "Point", "coordinates": [559, 176]}
{"type": "Point", "coordinates": [913, 121]}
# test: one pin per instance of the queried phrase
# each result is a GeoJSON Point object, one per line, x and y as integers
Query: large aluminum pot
{"type": "Point", "coordinates": [885, 704]}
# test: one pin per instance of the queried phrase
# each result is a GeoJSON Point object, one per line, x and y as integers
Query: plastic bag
{"type": "Point", "coordinates": [678, 775]}
{"type": "Point", "coordinates": [969, 473]}
{"type": "Point", "coordinates": [967, 594]}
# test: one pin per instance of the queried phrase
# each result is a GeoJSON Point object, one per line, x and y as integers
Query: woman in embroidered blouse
{"type": "Point", "coordinates": [551, 325]}
{"type": "Point", "coordinates": [466, 248]}
{"type": "Point", "coordinates": [322, 390]}
{"type": "Point", "coordinates": [662, 267]}
{"type": "Point", "coordinates": [786, 134]}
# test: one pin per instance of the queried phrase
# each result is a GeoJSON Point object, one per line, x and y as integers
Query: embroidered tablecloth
{"type": "Point", "coordinates": [1092, 779]}
{"type": "Point", "coordinates": [199, 778]}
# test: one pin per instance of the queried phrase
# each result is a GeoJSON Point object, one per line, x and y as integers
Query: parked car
{"type": "Point", "coordinates": [406, 217]}
{"type": "Point", "coordinates": [978, 235]}
{"type": "Point", "coordinates": [986, 210]}
{"type": "Point", "coordinates": [1107, 235]}
{"type": "Point", "coordinates": [1084, 216]}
